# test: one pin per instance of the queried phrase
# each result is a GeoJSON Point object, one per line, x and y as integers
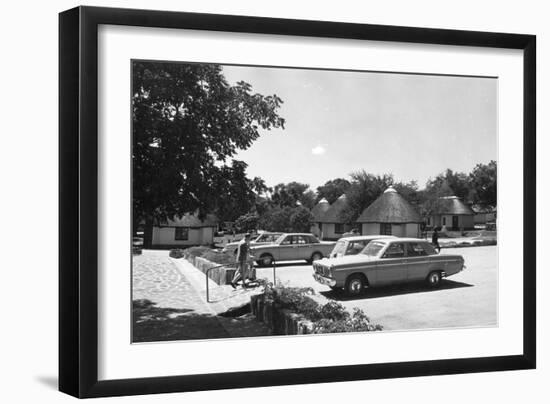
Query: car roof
{"type": "Point", "coordinates": [297, 234]}
{"type": "Point", "coordinates": [369, 237]}
{"type": "Point", "coordinates": [408, 240]}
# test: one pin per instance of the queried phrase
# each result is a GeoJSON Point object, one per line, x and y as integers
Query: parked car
{"type": "Point", "coordinates": [386, 262]}
{"type": "Point", "coordinates": [292, 247]}
{"type": "Point", "coordinates": [353, 245]}
{"type": "Point", "coordinates": [264, 238]}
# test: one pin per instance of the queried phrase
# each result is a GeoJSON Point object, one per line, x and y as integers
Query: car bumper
{"type": "Point", "coordinates": [323, 280]}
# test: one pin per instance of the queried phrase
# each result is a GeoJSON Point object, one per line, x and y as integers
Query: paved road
{"type": "Point", "coordinates": [464, 300]}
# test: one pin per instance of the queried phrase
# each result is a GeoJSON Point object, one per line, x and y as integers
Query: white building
{"type": "Point", "coordinates": [188, 230]}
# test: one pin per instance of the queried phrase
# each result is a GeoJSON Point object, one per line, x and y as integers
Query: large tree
{"type": "Point", "coordinates": [187, 121]}
{"type": "Point", "coordinates": [292, 194]}
{"type": "Point", "coordinates": [332, 189]}
{"type": "Point", "coordinates": [483, 180]}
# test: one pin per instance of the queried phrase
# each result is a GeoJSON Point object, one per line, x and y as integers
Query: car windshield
{"type": "Point", "coordinates": [373, 248]}
{"type": "Point", "coordinates": [339, 248]}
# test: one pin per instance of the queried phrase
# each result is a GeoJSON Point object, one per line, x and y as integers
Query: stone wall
{"type": "Point", "coordinates": [222, 275]}
{"type": "Point", "coordinates": [281, 322]}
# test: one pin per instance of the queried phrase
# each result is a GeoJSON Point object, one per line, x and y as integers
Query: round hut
{"type": "Point", "coordinates": [332, 224]}
{"type": "Point", "coordinates": [391, 214]}
{"type": "Point", "coordinates": [451, 213]}
{"type": "Point", "coordinates": [318, 213]}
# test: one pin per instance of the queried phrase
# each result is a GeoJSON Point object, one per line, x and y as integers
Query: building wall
{"type": "Point", "coordinates": [397, 229]}
{"type": "Point", "coordinates": [370, 228]}
{"type": "Point", "coordinates": [482, 218]}
{"type": "Point", "coordinates": [412, 230]}
{"type": "Point", "coordinates": [464, 221]}
{"type": "Point", "coordinates": [315, 229]}
{"type": "Point", "coordinates": [165, 236]}
{"type": "Point", "coordinates": [328, 231]}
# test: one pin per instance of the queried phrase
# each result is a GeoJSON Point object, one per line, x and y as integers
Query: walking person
{"type": "Point", "coordinates": [243, 250]}
{"type": "Point", "coordinates": [435, 240]}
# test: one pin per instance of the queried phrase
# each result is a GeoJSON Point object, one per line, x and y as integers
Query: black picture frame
{"type": "Point", "coordinates": [78, 200]}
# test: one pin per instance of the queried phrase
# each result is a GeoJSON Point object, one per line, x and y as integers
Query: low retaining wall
{"type": "Point", "coordinates": [222, 275]}
{"type": "Point", "coordinates": [281, 322]}
{"type": "Point", "coordinates": [466, 243]}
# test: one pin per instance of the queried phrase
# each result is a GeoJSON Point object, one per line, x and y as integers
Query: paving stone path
{"type": "Point", "coordinates": [169, 303]}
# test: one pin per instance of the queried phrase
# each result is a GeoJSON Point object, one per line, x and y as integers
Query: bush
{"type": "Point", "coordinates": [331, 317]}
{"type": "Point", "coordinates": [176, 253]}
{"type": "Point", "coordinates": [206, 253]}
{"type": "Point", "coordinates": [218, 257]}
{"type": "Point", "coordinates": [196, 251]}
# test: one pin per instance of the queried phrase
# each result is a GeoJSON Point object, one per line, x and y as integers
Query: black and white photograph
{"type": "Point", "coordinates": [274, 201]}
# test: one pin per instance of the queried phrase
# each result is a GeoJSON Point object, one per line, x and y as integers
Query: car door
{"type": "Point", "coordinates": [305, 246]}
{"type": "Point", "coordinates": [285, 250]}
{"type": "Point", "coordinates": [392, 265]}
{"type": "Point", "coordinates": [418, 262]}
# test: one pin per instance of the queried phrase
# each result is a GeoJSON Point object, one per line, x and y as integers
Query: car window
{"type": "Point", "coordinates": [299, 240]}
{"type": "Point", "coordinates": [268, 238]}
{"type": "Point", "coordinates": [395, 250]}
{"type": "Point", "coordinates": [430, 250]}
{"type": "Point", "coordinates": [355, 247]}
{"type": "Point", "coordinates": [287, 240]}
{"type": "Point", "coordinates": [312, 239]}
{"type": "Point", "coordinates": [373, 248]}
{"type": "Point", "coordinates": [415, 250]}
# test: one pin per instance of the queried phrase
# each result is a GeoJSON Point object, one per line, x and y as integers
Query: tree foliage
{"type": "Point", "coordinates": [187, 121]}
{"type": "Point", "coordinates": [287, 219]}
{"type": "Point", "coordinates": [293, 194]}
{"type": "Point", "coordinates": [247, 222]}
{"type": "Point", "coordinates": [364, 189]}
{"type": "Point", "coordinates": [483, 180]}
{"type": "Point", "coordinates": [332, 189]}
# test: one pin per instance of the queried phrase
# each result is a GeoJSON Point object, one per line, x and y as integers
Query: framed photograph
{"type": "Point", "coordinates": [251, 201]}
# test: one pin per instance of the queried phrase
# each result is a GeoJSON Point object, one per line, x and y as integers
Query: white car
{"type": "Point", "coordinates": [264, 238]}
{"type": "Point", "coordinates": [353, 245]}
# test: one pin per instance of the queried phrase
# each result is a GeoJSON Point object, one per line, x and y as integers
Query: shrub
{"type": "Point", "coordinates": [218, 257]}
{"type": "Point", "coordinates": [206, 253]}
{"type": "Point", "coordinates": [196, 251]}
{"type": "Point", "coordinates": [331, 317]}
{"type": "Point", "coordinates": [176, 253]}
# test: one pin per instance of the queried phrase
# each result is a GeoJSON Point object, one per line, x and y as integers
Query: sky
{"type": "Point", "coordinates": [338, 122]}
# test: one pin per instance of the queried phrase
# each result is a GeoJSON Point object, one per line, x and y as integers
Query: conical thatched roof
{"type": "Point", "coordinates": [320, 209]}
{"type": "Point", "coordinates": [332, 215]}
{"type": "Point", "coordinates": [451, 205]}
{"type": "Point", "coordinates": [390, 207]}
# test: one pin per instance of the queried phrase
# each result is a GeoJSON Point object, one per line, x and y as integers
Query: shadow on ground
{"type": "Point", "coordinates": [153, 324]}
{"type": "Point", "coordinates": [395, 290]}
{"type": "Point", "coordinates": [48, 381]}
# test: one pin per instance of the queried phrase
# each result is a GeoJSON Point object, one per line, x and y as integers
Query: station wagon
{"type": "Point", "coordinates": [387, 262]}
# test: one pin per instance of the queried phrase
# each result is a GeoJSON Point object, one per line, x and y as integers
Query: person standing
{"type": "Point", "coordinates": [243, 251]}
{"type": "Point", "coordinates": [435, 239]}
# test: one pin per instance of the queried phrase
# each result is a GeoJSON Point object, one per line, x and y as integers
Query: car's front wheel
{"type": "Point", "coordinates": [355, 285]}
{"type": "Point", "coordinates": [266, 260]}
{"type": "Point", "coordinates": [434, 279]}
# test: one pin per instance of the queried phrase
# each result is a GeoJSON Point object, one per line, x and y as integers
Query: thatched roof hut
{"type": "Point", "coordinates": [333, 213]}
{"type": "Point", "coordinates": [320, 209]}
{"type": "Point", "coordinates": [390, 207]}
{"type": "Point", "coordinates": [451, 205]}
